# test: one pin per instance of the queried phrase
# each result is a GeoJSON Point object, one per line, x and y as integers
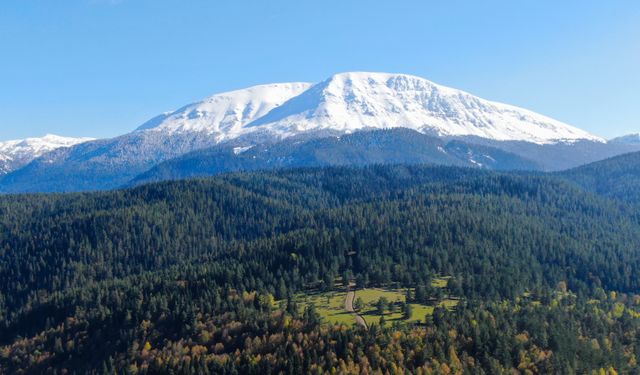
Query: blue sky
{"type": "Point", "coordinates": [102, 67]}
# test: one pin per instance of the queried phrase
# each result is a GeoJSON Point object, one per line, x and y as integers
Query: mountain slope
{"type": "Point", "coordinates": [224, 115]}
{"type": "Point", "coordinates": [617, 177]}
{"type": "Point", "coordinates": [17, 153]}
{"type": "Point", "coordinates": [393, 146]}
{"type": "Point", "coordinates": [629, 139]}
{"type": "Point", "coordinates": [558, 156]}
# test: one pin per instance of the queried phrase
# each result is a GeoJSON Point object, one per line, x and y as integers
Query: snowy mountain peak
{"type": "Point", "coordinates": [17, 153]}
{"type": "Point", "coordinates": [351, 101]}
{"type": "Point", "coordinates": [348, 102]}
{"type": "Point", "coordinates": [224, 115]}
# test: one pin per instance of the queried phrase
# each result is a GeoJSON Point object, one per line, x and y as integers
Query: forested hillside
{"type": "Point", "coordinates": [204, 275]}
{"type": "Point", "coordinates": [617, 177]}
{"type": "Point", "coordinates": [390, 146]}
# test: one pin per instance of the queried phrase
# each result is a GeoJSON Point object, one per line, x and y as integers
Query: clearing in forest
{"type": "Point", "coordinates": [331, 305]}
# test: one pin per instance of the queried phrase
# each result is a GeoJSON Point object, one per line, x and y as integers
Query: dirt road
{"type": "Point", "coordinates": [348, 305]}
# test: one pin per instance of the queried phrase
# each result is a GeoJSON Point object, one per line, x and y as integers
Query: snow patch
{"type": "Point", "coordinates": [240, 150]}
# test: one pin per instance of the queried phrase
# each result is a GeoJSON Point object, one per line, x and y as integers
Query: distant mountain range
{"type": "Point", "coordinates": [18, 153]}
{"type": "Point", "coordinates": [350, 118]}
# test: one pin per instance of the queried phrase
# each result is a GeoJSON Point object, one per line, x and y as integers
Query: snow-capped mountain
{"type": "Point", "coordinates": [268, 115]}
{"type": "Point", "coordinates": [17, 153]}
{"type": "Point", "coordinates": [349, 102]}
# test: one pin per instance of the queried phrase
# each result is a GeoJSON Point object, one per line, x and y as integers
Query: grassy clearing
{"type": "Point", "coordinates": [440, 282]}
{"type": "Point", "coordinates": [329, 305]}
{"type": "Point", "coordinates": [372, 295]}
{"type": "Point", "coordinates": [418, 313]}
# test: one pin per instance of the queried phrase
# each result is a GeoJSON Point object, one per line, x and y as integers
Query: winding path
{"type": "Point", "coordinates": [348, 305]}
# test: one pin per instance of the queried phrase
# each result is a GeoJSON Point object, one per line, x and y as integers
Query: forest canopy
{"type": "Point", "coordinates": [200, 276]}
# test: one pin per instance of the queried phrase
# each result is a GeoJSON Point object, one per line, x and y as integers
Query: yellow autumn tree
{"type": "Point", "coordinates": [456, 365]}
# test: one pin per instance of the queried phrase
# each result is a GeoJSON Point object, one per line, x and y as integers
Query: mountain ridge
{"type": "Point", "coordinates": [628, 139]}
{"type": "Point", "coordinates": [223, 114]}
{"type": "Point", "coordinates": [16, 153]}
{"type": "Point", "coordinates": [354, 101]}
